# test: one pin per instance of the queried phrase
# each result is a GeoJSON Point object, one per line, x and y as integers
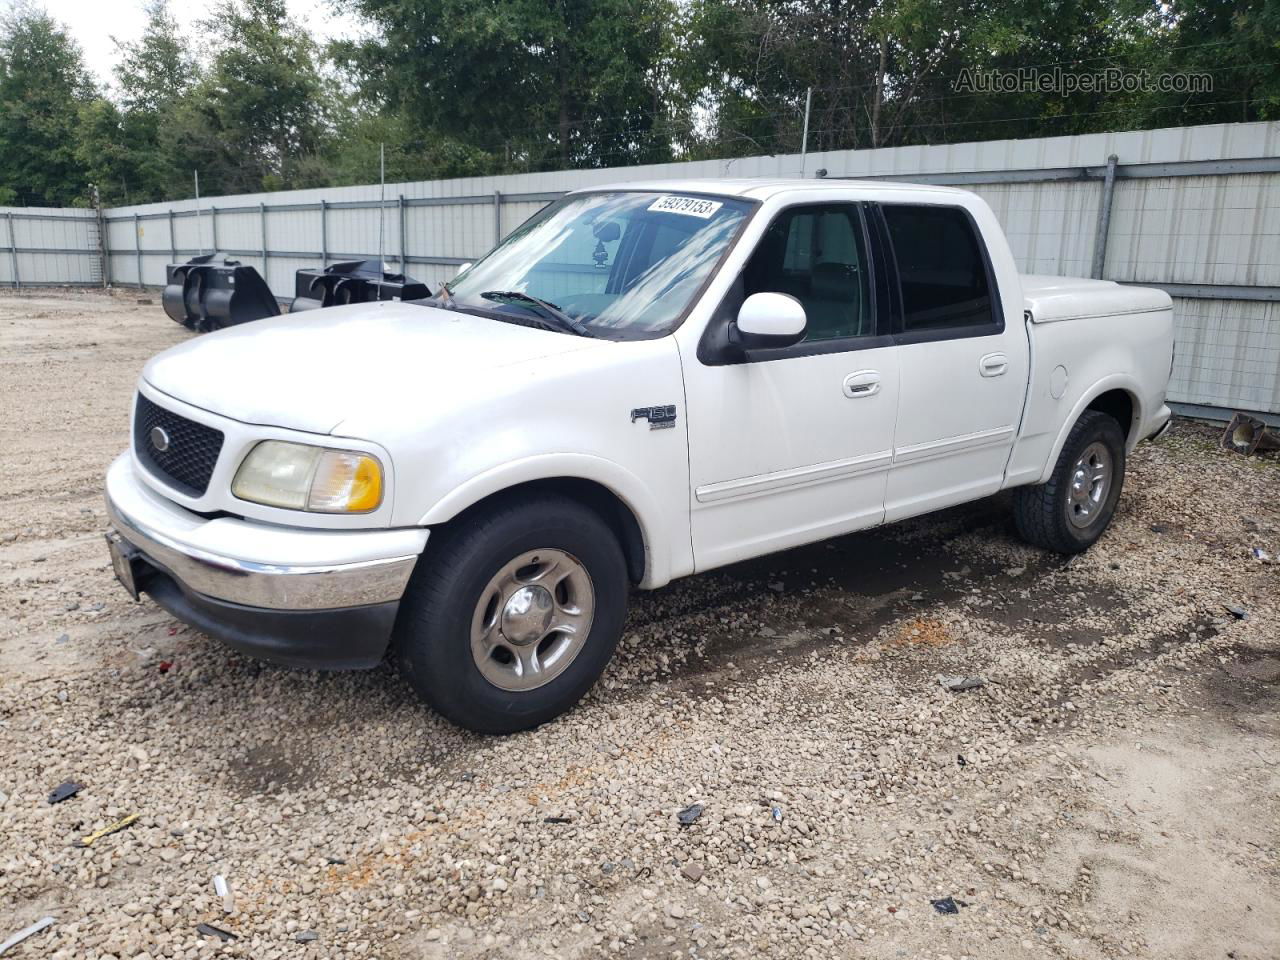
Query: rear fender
{"type": "Point", "coordinates": [1117, 381]}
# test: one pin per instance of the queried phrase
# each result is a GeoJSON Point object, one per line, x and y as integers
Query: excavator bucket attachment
{"type": "Point", "coordinates": [1247, 435]}
{"type": "Point", "coordinates": [206, 293]}
{"type": "Point", "coordinates": [352, 281]}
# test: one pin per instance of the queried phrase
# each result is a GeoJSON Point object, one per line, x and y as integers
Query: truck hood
{"type": "Point", "coordinates": [312, 371]}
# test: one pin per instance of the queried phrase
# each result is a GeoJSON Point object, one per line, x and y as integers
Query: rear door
{"type": "Point", "coordinates": [963, 363]}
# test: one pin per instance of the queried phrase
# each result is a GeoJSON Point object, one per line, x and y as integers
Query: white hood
{"type": "Point", "coordinates": [311, 371]}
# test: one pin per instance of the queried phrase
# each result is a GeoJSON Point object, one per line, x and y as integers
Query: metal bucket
{"type": "Point", "coordinates": [352, 281]}
{"type": "Point", "coordinates": [207, 293]}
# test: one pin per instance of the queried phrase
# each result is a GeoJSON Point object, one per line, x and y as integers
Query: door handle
{"type": "Point", "coordinates": [864, 383]}
{"type": "Point", "coordinates": [993, 365]}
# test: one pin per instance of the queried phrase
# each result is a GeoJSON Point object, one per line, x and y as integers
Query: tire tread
{"type": "Point", "coordinates": [1037, 510]}
{"type": "Point", "coordinates": [438, 578]}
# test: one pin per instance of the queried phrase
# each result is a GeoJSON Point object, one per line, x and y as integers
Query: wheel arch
{"type": "Point", "coordinates": [1123, 407]}
{"type": "Point", "coordinates": [1117, 396]}
{"type": "Point", "coordinates": [615, 494]}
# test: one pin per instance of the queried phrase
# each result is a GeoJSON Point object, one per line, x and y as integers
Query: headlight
{"type": "Point", "coordinates": [301, 477]}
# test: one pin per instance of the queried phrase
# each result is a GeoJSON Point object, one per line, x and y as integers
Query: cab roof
{"type": "Point", "coordinates": [763, 188]}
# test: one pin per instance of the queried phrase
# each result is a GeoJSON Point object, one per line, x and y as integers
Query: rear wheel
{"type": "Point", "coordinates": [513, 613]}
{"type": "Point", "coordinates": [1070, 512]}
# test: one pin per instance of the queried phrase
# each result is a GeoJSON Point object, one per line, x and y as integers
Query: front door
{"type": "Point", "coordinates": [793, 445]}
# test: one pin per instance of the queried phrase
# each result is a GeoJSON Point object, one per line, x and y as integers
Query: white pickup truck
{"type": "Point", "coordinates": [640, 383]}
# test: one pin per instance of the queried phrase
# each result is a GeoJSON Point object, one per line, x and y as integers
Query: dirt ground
{"type": "Point", "coordinates": [1112, 790]}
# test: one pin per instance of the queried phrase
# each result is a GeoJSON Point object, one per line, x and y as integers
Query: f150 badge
{"type": "Point", "coordinates": [660, 418]}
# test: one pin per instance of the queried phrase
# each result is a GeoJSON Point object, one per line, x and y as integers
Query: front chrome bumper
{"type": "Point", "coordinates": [258, 564]}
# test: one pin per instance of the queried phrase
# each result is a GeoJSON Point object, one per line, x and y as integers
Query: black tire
{"type": "Point", "coordinates": [1043, 513]}
{"type": "Point", "coordinates": [432, 638]}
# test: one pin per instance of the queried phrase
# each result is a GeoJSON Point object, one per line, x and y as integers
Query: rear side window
{"type": "Point", "coordinates": [941, 268]}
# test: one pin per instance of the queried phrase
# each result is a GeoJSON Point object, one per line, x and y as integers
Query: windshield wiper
{"type": "Point", "coordinates": [547, 310]}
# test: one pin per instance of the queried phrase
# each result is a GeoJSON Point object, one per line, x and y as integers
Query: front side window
{"type": "Point", "coordinates": [621, 265]}
{"type": "Point", "coordinates": [816, 254]}
{"type": "Point", "coordinates": [940, 267]}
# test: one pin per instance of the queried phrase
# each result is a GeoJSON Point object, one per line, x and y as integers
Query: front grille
{"type": "Point", "coordinates": [188, 461]}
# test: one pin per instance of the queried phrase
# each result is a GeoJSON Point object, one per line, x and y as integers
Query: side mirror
{"type": "Point", "coordinates": [768, 320]}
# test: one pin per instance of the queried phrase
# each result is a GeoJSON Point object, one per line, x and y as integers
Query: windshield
{"type": "Point", "coordinates": [620, 265]}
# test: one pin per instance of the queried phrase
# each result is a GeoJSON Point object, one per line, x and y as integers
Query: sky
{"type": "Point", "coordinates": [93, 23]}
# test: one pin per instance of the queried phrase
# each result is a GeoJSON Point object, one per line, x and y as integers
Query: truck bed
{"type": "Point", "coordinates": [1049, 299]}
{"type": "Point", "coordinates": [1120, 340]}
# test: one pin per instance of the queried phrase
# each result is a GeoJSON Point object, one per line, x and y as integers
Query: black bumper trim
{"type": "Point", "coordinates": [349, 638]}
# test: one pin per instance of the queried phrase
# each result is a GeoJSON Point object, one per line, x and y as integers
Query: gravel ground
{"type": "Point", "coordinates": [1113, 789]}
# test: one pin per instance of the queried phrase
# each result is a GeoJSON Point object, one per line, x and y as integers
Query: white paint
{"type": "Point", "coordinates": [765, 455]}
{"type": "Point", "coordinates": [248, 540]}
{"type": "Point", "coordinates": [1058, 382]}
{"type": "Point", "coordinates": [1208, 229]}
{"type": "Point", "coordinates": [1051, 299]}
{"type": "Point", "coordinates": [771, 315]}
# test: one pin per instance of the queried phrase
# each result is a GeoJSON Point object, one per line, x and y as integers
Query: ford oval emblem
{"type": "Point", "coordinates": [159, 439]}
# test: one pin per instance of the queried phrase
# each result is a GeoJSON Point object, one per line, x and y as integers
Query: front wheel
{"type": "Point", "coordinates": [1072, 510]}
{"type": "Point", "coordinates": [513, 613]}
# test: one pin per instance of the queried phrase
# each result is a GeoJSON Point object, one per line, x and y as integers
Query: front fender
{"type": "Point", "coordinates": [624, 484]}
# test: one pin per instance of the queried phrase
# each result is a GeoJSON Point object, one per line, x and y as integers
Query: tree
{"type": "Point", "coordinates": [103, 154]}
{"type": "Point", "coordinates": [534, 83]}
{"type": "Point", "coordinates": [1235, 45]}
{"type": "Point", "coordinates": [1076, 37]}
{"type": "Point", "coordinates": [153, 75]}
{"type": "Point", "coordinates": [249, 122]}
{"type": "Point", "coordinates": [157, 69]}
{"type": "Point", "coordinates": [350, 155]}
{"type": "Point", "coordinates": [468, 87]}
{"type": "Point", "coordinates": [885, 72]}
{"type": "Point", "coordinates": [43, 86]}
{"type": "Point", "coordinates": [121, 146]}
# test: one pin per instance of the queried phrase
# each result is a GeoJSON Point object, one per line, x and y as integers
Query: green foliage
{"type": "Point", "coordinates": [101, 150]}
{"type": "Point", "coordinates": [535, 84]}
{"type": "Point", "coordinates": [43, 86]}
{"type": "Point", "coordinates": [351, 155]}
{"type": "Point", "coordinates": [156, 70]}
{"type": "Point", "coordinates": [474, 87]}
{"type": "Point", "coordinates": [257, 112]}
{"type": "Point", "coordinates": [1238, 44]}
{"type": "Point", "coordinates": [119, 146]}
{"type": "Point", "coordinates": [154, 75]}
{"type": "Point", "coordinates": [885, 74]}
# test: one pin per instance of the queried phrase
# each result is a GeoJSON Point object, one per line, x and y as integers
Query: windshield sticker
{"type": "Point", "coordinates": [687, 206]}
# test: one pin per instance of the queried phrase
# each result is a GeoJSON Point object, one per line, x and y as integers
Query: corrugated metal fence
{"type": "Point", "coordinates": [1194, 210]}
{"type": "Point", "coordinates": [50, 246]}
